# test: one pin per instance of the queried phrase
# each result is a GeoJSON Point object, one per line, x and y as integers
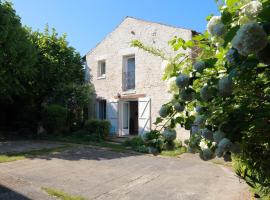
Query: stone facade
{"type": "Point", "coordinates": [148, 71]}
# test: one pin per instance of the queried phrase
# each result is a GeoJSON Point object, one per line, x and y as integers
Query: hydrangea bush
{"type": "Point", "coordinates": [225, 92]}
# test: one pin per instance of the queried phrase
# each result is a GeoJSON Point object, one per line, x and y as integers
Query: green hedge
{"type": "Point", "coordinates": [100, 127]}
{"type": "Point", "coordinates": [54, 118]}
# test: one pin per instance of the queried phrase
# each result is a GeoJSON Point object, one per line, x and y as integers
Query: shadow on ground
{"type": "Point", "coordinates": [84, 152]}
{"type": "Point", "coordinates": [54, 150]}
{"type": "Point", "coordinates": [7, 193]}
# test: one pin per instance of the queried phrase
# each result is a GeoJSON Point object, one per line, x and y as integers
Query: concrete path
{"type": "Point", "coordinates": [102, 174]}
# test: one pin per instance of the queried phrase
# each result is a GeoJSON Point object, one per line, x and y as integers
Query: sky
{"type": "Point", "coordinates": [87, 22]}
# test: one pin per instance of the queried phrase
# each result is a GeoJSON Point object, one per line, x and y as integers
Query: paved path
{"type": "Point", "coordinates": [102, 174]}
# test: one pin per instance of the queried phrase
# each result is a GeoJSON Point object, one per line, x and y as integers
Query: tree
{"type": "Point", "coordinates": [226, 90]}
{"type": "Point", "coordinates": [37, 69]}
{"type": "Point", "coordinates": [17, 55]}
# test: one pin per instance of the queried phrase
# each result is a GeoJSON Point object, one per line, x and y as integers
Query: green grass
{"type": "Point", "coordinates": [62, 195]}
{"type": "Point", "coordinates": [221, 162]}
{"type": "Point", "coordinates": [9, 157]}
{"type": "Point", "coordinates": [173, 153]}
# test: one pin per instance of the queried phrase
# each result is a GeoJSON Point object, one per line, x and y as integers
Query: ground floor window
{"type": "Point", "coordinates": [101, 109]}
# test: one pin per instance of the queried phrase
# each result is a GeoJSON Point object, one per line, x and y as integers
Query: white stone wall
{"type": "Point", "coordinates": [148, 67]}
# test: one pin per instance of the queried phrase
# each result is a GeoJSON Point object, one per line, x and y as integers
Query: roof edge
{"type": "Point", "coordinates": [148, 21]}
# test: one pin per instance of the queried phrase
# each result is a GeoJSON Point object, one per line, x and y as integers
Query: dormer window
{"type": "Point", "coordinates": [101, 69]}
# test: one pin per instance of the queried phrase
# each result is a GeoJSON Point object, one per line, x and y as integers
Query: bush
{"type": "Point", "coordinates": [154, 141]}
{"type": "Point", "coordinates": [99, 127]}
{"type": "Point", "coordinates": [54, 118]}
{"type": "Point", "coordinates": [137, 144]}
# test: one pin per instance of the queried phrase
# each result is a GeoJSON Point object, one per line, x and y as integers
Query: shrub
{"type": "Point", "coordinates": [99, 127]}
{"type": "Point", "coordinates": [154, 141]}
{"type": "Point", "coordinates": [137, 144]}
{"type": "Point", "coordinates": [54, 118]}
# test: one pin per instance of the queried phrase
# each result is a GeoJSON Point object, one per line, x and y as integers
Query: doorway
{"type": "Point", "coordinates": [133, 120]}
{"type": "Point", "coordinates": [129, 118]}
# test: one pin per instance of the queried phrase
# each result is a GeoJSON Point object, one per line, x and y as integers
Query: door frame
{"type": "Point", "coordinates": [125, 132]}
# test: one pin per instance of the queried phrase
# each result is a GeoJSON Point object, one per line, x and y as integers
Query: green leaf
{"type": "Point", "coordinates": [158, 120]}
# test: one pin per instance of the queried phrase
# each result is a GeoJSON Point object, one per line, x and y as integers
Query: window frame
{"type": "Point", "coordinates": [124, 70]}
{"type": "Point", "coordinates": [101, 75]}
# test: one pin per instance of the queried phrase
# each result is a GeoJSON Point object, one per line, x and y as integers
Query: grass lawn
{"type": "Point", "coordinates": [8, 157]}
{"type": "Point", "coordinates": [173, 153]}
{"type": "Point", "coordinates": [62, 195]}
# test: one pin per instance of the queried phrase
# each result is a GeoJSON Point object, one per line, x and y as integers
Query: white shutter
{"type": "Point", "coordinates": [112, 115]}
{"type": "Point", "coordinates": [144, 115]}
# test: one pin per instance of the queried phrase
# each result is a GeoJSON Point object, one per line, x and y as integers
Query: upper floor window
{"type": "Point", "coordinates": [102, 69]}
{"type": "Point", "coordinates": [129, 73]}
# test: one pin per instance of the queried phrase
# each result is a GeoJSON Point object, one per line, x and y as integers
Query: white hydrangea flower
{"type": "Point", "coordinates": [203, 145]}
{"type": "Point", "coordinates": [171, 85]}
{"type": "Point", "coordinates": [250, 38]}
{"type": "Point", "coordinates": [252, 9]}
{"type": "Point", "coordinates": [244, 20]}
{"type": "Point", "coordinates": [215, 26]}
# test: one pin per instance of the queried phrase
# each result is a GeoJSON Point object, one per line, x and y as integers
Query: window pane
{"type": "Point", "coordinates": [131, 65]}
{"type": "Point", "coordinates": [103, 68]}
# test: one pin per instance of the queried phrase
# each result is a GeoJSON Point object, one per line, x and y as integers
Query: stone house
{"type": "Point", "coordinates": [127, 80]}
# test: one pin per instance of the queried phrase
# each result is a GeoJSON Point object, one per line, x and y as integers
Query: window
{"type": "Point", "coordinates": [129, 73]}
{"type": "Point", "coordinates": [102, 69]}
{"type": "Point", "coordinates": [101, 109]}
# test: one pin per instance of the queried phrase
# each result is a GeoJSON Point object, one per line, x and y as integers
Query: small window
{"type": "Point", "coordinates": [101, 69]}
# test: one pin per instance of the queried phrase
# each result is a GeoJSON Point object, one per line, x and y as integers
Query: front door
{"type": "Point", "coordinates": [125, 118]}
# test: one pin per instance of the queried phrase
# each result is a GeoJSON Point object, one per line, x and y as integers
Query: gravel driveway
{"type": "Point", "coordinates": [96, 173]}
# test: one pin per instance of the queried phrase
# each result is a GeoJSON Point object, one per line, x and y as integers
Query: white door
{"type": "Point", "coordinates": [125, 118]}
{"type": "Point", "coordinates": [112, 115]}
{"type": "Point", "coordinates": [144, 105]}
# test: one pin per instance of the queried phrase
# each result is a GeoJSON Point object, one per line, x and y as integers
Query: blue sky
{"type": "Point", "coordinates": [87, 22]}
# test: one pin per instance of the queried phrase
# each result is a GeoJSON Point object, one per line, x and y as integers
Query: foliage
{"type": "Point", "coordinates": [17, 55]}
{"type": "Point", "coordinates": [154, 141]}
{"type": "Point", "coordinates": [136, 144]}
{"type": "Point", "coordinates": [230, 87]}
{"type": "Point", "coordinates": [99, 127]}
{"type": "Point", "coordinates": [37, 69]}
{"type": "Point", "coordinates": [62, 195]}
{"type": "Point", "coordinates": [54, 118]}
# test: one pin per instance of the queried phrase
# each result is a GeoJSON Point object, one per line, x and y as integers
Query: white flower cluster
{"type": "Point", "coordinates": [250, 38]}
{"type": "Point", "coordinates": [252, 9]}
{"type": "Point", "coordinates": [203, 144]}
{"type": "Point", "coordinates": [171, 85]}
{"type": "Point", "coordinates": [215, 26]}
